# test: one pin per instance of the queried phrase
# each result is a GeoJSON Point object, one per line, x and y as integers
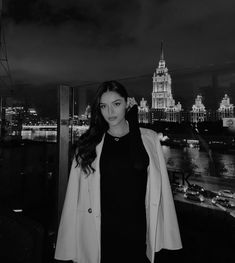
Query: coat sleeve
{"type": "Point", "coordinates": [169, 222]}
{"type": "Point", "coordinates": [66, 238]}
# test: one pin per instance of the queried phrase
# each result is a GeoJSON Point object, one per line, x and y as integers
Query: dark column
{"type": "Point", "coordinates": [63, 145]}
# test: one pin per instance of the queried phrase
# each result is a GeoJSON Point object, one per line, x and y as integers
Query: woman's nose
{"type": "Point", "coordinates": [110, 109]}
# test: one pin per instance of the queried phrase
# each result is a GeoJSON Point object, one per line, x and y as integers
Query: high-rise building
{"type": "Point", "coordinates": [85, 118]}
{"type": "Point", "coordinates": [143, 111]}
{"type": "Point", "coordinates": [198, 112]}
{"type": "Point", "coordinates": [163, 104]}
{"type": "Point", "coordinates": [226, 109]}
{"type": "Point", "coordinates": [14, 119]}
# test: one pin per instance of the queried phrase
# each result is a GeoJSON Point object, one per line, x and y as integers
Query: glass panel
{"type": "Point", "coordinates": [198, 145]}
{"type": "Point", "coordinates": [198, 149]}
{"type": "Point", "coordinates": [28, 173]}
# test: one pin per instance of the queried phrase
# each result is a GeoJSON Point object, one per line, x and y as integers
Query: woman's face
{"type": "Point", "coordinates": [113, 108]}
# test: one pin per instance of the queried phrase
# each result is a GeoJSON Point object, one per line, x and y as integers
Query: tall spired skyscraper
{"type": "Point", "coordinates": [161, 95]}
{"type": "Point", "coordinates": [163, 104]}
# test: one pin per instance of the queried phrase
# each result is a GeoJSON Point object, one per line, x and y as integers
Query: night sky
{"type": "Point", "coordinates": [50, 42]}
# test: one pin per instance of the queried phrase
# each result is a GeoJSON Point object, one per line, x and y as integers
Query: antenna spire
{"type": "Point", "coordinates": [162, 52]}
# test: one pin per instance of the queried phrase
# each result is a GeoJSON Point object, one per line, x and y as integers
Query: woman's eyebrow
{"type": "Point", "coordinates": [111, 102]}
{"type": "Point", "coordinates": [117, 100]}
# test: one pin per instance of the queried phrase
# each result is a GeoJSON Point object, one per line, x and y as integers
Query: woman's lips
{"type": "Point", "coordinates": [112, 118]}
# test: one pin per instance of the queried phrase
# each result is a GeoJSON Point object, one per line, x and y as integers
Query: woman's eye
{"type": "Point", "coordinates": [117, 103]}
{"type": "Point", "coordinates": [102, 107]}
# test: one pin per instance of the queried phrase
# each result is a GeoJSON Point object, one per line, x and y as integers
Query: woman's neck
{"type": "Point", "coordinates": [119, 130]}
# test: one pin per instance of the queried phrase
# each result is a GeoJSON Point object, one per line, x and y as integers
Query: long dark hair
{"type": "Point", "coordinates": [86, 145]}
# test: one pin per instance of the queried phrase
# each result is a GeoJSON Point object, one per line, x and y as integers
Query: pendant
{"type": "Point", "coordinates": [116, 139]}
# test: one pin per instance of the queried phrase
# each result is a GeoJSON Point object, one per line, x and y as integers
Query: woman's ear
{"type": "Point", "coordinates": [127, 103]}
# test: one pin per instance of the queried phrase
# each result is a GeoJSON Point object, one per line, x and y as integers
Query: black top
{"type": "Point", "coordinates": [123, 188]}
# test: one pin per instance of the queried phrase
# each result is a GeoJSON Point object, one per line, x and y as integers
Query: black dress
{"type": "Point", "coordinates": [123, 188]}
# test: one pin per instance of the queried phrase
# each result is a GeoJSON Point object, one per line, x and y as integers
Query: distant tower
{"type": "Point", "coordinates": [198, 112]}
{"type": "Point", "coordinates": [88, 112]}
{"type": "Point", "coordinates": [143, 111]}
{"type": "Point", "coordinates": [161, 95]}
{"type": "Point", "coordinates": [226, 109]}
{"type": "Point", "coordinates": [163, 104]}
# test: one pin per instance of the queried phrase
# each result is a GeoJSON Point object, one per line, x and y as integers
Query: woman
{"type": "Point", "coordinates": [118, 205]}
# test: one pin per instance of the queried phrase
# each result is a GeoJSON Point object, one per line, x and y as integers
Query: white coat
{"type": "Point", "coordinates": [79, 231]}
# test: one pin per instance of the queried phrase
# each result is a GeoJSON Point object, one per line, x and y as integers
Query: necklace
{"type": "Point", "coordinates": [124, 132]}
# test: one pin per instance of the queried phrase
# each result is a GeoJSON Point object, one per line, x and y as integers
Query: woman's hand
{"type": "Point", "coordinates": [132, 113]}
{"type": "Point", "coordinates": [130, 103]}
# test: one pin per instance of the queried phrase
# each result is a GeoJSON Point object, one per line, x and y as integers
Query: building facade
{"type": "Point", "coordinates": [198, 112]}
{"type": "Point", "coordinates": [163, 104]}
{"type": "Point", "coordinates": [226, 109]}
{"type": "Point", "coordinates": [143, 111]}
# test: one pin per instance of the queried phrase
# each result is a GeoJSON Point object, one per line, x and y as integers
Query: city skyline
{"type": "Point", "coordinates": [52, 107]}
{"type": "Point", "coordinates": [225, 110]}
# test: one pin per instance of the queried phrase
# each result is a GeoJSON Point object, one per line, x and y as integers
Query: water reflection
{"type": "Point", "coordinates": [190, 160]}
{"type": "Point", "coordinates": [194, 161]}
{"type": "Point", "coordinates": [36, 135]}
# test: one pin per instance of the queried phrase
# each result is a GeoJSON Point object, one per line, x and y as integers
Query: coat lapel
{"type": "Point", "coordinates": [94, 190]}
{"type": "Point", "coordinates": [153, 193]}
{"type": "Point", "coordinates": [94, 182]}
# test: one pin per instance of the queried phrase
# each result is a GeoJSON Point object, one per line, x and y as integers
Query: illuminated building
{"type": "Point", "coordinates": [88, 111]}
{"type": "Point", "coordinates": [163, 104]}
{"type": "Point", "coordinates": [14, 116]}
{"type": "Point", "coordinates": [173, 113]}
{"type": "Point", "coordinates": [31, 116]}
{"type": "Point", "coordinates": [226, 109]}
{"type": "Point", "coordinates": [143, 111]}
{"type": "Point", "coordinates": [85, 118]}
{"type": "Point", "coordinates": [198, 112]}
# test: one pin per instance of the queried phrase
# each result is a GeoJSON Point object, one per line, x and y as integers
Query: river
{"type": "Point", "coordinates": [215, 164]}
{"type": "Point", "coordinates": [200, 162]}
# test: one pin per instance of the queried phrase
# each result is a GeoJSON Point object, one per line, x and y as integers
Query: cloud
{"type": "Point", "coordinates": [107, 23]}
{"type": "Point", "coordinates": [94, 40]}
